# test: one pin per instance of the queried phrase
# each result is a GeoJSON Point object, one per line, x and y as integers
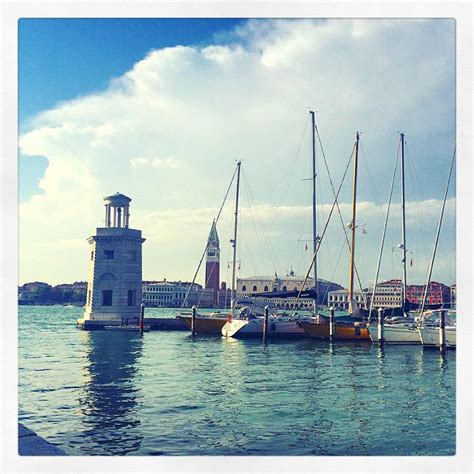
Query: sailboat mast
{"type": "Point", "coordinates": [353, 221]}
{"type": "Point", "coordinates": [404, 246]}
{"type": "Point", "coordinates": [314, 213]}
{"type": "Point", "coordinates": [438, 230]}
{"type": "Point", "coordinates": [234, 240]}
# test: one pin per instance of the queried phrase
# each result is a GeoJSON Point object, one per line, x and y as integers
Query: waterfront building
{"type": "Point", "coordinates": [438, 294]}
{"type": "Point", "coordinates": [248, 287]}
{"type": "Point", "coordinates": [168, 294]}
{"type": "Point", "coordinates": [213, 264]}
{"type": "Point", "coordinates": [339, 299]}
{"type": "Point", "coordinates": [114, 290]}
{"type": "Point", "coordinates": [388, 294]}
{"type": "Point", "coordinates": [77, 289]}
{"type": "Point", "coordinates": [35, 292]}
{"type": "Point", "coordinates": [35, 286]}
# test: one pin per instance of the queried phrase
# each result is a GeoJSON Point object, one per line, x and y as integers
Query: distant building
{"type": "Point", "coordinates": [339, 299]}
{"type": "Point", "coordinates": [388, 294]}
{"type": "Point", "coordinates": [247, 287]}
{"type": "Point", "coordinates": [70, 292]}
{"type": "Point", "coordinates": [167, 294]}
{"type": "Point", "coordinates": [35, 286]}
{"type": "Point", "coordinates": [36, 292]}
{"type": "Point", "coordinates": [438, 293]}
{"type": "Point", "coordinates": [114, 289]}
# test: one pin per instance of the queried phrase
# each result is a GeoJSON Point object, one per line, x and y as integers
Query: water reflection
{"type": "Point", "coordinates": [109, 403]}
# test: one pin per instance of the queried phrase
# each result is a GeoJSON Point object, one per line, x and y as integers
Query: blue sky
{"type": "Point", "coordinates": [61, 59]}
{"type": "Point", "coordinates": [160, 110]}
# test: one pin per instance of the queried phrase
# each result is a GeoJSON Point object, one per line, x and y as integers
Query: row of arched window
{"type": "Point", "coordinates": [265, 288]}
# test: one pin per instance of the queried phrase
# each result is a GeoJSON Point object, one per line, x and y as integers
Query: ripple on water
{"type": "Point", "coordinates": [103, 393]}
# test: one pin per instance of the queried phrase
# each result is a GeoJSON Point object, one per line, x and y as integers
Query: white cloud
{"type": "Point", "coordinates": [139, 161]}
{"type": "Point", "coordinates": [167, 133]}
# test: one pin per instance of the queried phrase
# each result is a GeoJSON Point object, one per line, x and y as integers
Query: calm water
{"type": "Point", "coordinates": [112, 393]}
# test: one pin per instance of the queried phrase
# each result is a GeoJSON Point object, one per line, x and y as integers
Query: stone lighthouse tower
{"type": "Point", "coordinates": [114, 287]}
{"type": "Point", "coordinates": [213, 262]}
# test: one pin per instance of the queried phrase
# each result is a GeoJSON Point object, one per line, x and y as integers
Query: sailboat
{"type": "Point", "coordinates": [409, 329]}
{"type": "Point", "coordinates": [212, 323]}
{"type": "Point", "coordinates": [280, 325]}
{"type": "Point", "coordinates": [431, 333]}
{"type": "Point", "coordinates": [351, 327]}
{"type": "Point", "coordinates": [399, 329]}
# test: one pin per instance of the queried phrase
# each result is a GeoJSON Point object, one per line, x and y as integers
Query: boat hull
{"type": "Point", "coordinates": [429, 336]}
{"type": "Point", "coordinates": [206, 324]}
{"type": "Point", "coordinates": [254, 328]}
{"type": "Point", "coordinates": [396, 334]}
{"type": "Point", "coordinates": [349, 332]}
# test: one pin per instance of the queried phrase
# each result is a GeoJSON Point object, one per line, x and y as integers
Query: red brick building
{"type": "Point", "coordinates": [438, 293]}
{"type": "Point", "coordinates": [389, 294]}
{"type": "Point", "coordinates": [213, 263]}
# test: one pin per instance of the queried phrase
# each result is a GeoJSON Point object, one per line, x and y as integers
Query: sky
{"type": "Point", "coordinates": [160, 110]}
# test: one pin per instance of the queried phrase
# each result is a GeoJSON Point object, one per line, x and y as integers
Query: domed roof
{"type": "Point", "coordinates": [117, 199]}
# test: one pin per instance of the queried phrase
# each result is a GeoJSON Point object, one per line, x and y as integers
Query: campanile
{"type": "Point", "coordinates": [213, 262]}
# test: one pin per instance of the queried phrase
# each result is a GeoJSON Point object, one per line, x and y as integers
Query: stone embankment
{"type": "Point", "coordinates": [30, 444]}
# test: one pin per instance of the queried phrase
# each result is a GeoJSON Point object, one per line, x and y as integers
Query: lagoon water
{"type": "Point", "coordinates": [114, 393]}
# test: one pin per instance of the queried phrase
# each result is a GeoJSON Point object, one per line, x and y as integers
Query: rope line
{"type": "Point", "coordinates": [207, 244]}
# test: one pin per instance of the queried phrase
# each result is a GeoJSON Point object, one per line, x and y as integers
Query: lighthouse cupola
{"type": "Point", "coordinates": [117, 210]}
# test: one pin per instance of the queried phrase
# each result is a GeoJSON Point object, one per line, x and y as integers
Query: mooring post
{"type": "Point", "coordinates": [332, 324]}
{"type": "Point", "coordinates": [142, 318]}
{"type": "Point", "coordinates": [265, 322]}
{"type": "Point", "coordinates": [193, 321]}
{"type": "Point", "coordinates": [380, 327]}
{"type": "Point", "coordinates": [442, 331]}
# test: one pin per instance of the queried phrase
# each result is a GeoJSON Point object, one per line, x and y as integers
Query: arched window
{"type": "Point", "coordinates": [244, 288]}
{"type": "Point", "coordinates": [266, 288]}
{"type": "Point", "coordinates": [284, 288]}
{"type": "Point", "coordinates": [274, 289]}
{"type": "Point", "coordinates": [254, 287]}
{"type": "Point", "coordinates": [295, 289]}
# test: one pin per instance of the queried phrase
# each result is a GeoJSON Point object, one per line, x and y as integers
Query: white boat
{"type": "Point", "coordinates": [429, 330]}
{"type": "Point", "coordinates": [403, 332]}
{"type": "Point", "coordinates": [430, 336]}
{"type": "Point", "coordinates": [277, 326]}
{"type": "Point", "coordinates": [400, 331]}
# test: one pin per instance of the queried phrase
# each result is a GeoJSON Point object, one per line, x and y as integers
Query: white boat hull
{"type": "Point", "coordinates": [254, 327]}
{"type": "Point", "coordinates": [430, 336]}
{"type": "Point", "coordinates": [396, 334]}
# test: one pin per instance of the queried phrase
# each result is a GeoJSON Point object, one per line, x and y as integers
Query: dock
{"type": "Point", "coordinates": [166, 324]}
{"type": "Point", "coordinates": [151, 324]}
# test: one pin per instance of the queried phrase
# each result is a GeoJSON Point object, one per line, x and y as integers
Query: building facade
{"type": "Point", "coordinates": [453, 296]}
{"type": "Point", "coordinates": [339, 299]}
{"type": "Point", "coordinates": [166, 294]}
{"type": "Point", "coordinates": [247, 287]}
{"type": "Point", "coordinates": [388, 294]}
{"type": "Point", "coordinates": [438, 293]}
{"type": "Point", "coordinates": [114, 290]}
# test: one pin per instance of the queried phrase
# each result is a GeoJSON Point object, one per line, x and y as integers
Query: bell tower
{"type": "Point", "coordinates": [213, 262]}
{"type": "Point", "coordinates": [114, 286]}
